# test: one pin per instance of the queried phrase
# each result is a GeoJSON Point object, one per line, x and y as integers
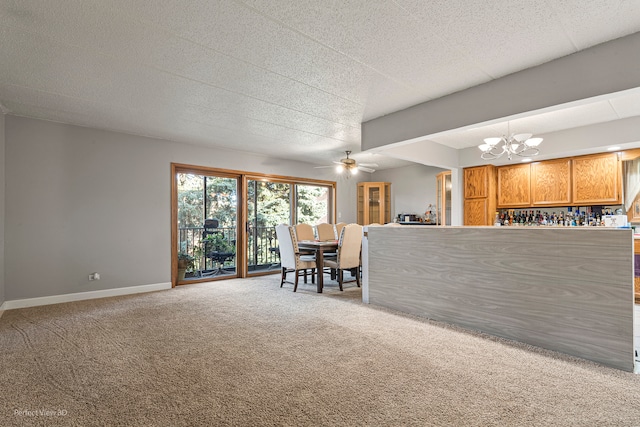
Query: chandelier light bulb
{"type": "Point", "coordinates": [492, 142]}
{"type": "Point", "coordinates": [533, 142]}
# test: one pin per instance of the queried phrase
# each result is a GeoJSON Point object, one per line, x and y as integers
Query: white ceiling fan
{"type": "Point", "coordinates": [349, 165]}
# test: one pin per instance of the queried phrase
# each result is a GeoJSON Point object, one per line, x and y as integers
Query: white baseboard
{"type": "Point", "coordinates": [57, 299]}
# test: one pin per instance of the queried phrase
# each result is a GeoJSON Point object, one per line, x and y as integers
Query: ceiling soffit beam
{"type": "Point", "coordinates": [602, 69]}
{"type": "Point", "coordinates": [425, 152]}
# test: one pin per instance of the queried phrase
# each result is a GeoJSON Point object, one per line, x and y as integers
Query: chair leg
{"type": "Point", "coordinates": [295, 281]}
{"type": "Point", "coordinates": [358, 276]}
{"type": "Point", "coordinates": [305, 275]}
{"type": "Point", "coordinates": [313, 275]}
{"type": "Point", "coordinates": [340, 278]}
{"type": "Point", "coordinates": [283, 276]}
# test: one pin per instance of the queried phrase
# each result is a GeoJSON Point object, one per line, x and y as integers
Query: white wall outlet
{"type": "Point", "coordinates": [94, 276]}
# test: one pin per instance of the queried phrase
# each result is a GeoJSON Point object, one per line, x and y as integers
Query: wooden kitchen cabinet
{"type": "Point", "coordinates": [514, 186]}
{"type": "Point", "coordinates": [597, 179]}
{"type": "Point", "coordinates": [551, 182]}
{"type": "Point", "coordinates": [374, 203]}
{"type": "Point", "coordinates": [476, 181]}
{"type": "Point", "coordinates": [476, 212]}
{"type": "Point", "coordinates": [479, 195]}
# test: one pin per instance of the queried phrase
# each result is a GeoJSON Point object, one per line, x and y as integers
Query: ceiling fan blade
{"type": "Point", "coordinates": [337, 162]}
{"type": "Point", "coordinates": [371, 165]}
{"type": "Point", "coordinates": [366, 169]}
{"type": "Point", "coordinates": [322, 167]}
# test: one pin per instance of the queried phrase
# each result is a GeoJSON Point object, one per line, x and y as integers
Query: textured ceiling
{"type": "Point", "coordinates": [293, 77]}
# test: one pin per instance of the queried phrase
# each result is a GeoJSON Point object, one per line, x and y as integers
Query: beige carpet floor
{"type": "Point", "coordinates": [248, 353]}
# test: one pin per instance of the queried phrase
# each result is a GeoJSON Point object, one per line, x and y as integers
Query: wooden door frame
{"type": "Point", "coordinates": [201, 170]}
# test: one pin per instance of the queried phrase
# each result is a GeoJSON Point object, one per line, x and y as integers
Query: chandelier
{"type": "Point", "coordinates": [520, 145]}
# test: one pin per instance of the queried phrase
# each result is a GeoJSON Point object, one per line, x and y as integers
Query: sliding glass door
{"type": "Point", "coordinates": [223, 222]}
{"type": "Point", "coordinates": [207, 226]}
{"type": "Point", "coordinates": [268, 204]}
{"type": "Point", "coordinates": [273, 202]}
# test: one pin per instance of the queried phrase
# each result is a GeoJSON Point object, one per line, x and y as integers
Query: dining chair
{"type": "Point", "coordinates": [325, 232]}
{"type": "Point", "coordinates": [304, 232]}
{"type": "Point", "coordinates": [290, 258]}
{"type": "Point", "coordinates": [338, 228]}
{"type": "Point", "coordinates": [349, 247]}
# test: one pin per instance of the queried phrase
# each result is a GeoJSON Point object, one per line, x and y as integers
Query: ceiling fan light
{"type": "Point", "coordinates": [533, 142]}
{"type": "Point", "coordinates": [339, 168]}
{"type": "Point", "coordinates": [354, 171]}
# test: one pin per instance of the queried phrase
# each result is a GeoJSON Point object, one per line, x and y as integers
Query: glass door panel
{"type": "Point", "coordinates": [361, 205]}
{"type": "Point", "coordinates": [374, 205]}
{"type": "Point", "coordinates": [312, 204]}
{"type": "Point", "coordinates": [268, 204]}
{"type": "Point", "coordinates": [207, 226]}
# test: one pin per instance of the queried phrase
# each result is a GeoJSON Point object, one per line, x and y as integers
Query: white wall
{"type": "Point", "coordinates": [347, 194]}
{"type": "Point", "coordinates": [81, 200]}
{"type": "Point", "coordinates": [2, 204]}
{"type": "Point", "coordinates": [413, 187]}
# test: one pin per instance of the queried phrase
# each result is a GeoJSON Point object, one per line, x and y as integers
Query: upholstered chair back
{"type": "Point", "coordinates": [326, 232]}
{"type": "Point", "coordinates": [349, 246]}
{"type": "Point", "coordinates": [304, 232]}
{"type": "Point", "coordinates": [287, 251]}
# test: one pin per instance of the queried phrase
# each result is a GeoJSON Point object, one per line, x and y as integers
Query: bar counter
{"type": "Point", "coordinates": [568, 289]}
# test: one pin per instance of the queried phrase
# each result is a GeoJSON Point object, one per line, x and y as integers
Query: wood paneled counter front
{"type": "Point", "coordinates": [566, 289]}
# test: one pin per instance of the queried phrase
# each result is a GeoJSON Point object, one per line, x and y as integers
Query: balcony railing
{"type": "Point", "coordinates": [262, 248]}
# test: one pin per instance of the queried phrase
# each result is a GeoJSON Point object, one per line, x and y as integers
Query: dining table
{"type": "Point", "coordinates": [319, 247]}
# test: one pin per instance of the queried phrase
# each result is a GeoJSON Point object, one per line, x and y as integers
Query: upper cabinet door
{"type": "Point", "coordinates": [476, 182]}
{"type": "Point", "coordinates": [551, 182]}
{"type": "Point", "coordinates": [597, 179]}
{"type": "Point", "coordinates": [514, 186]}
